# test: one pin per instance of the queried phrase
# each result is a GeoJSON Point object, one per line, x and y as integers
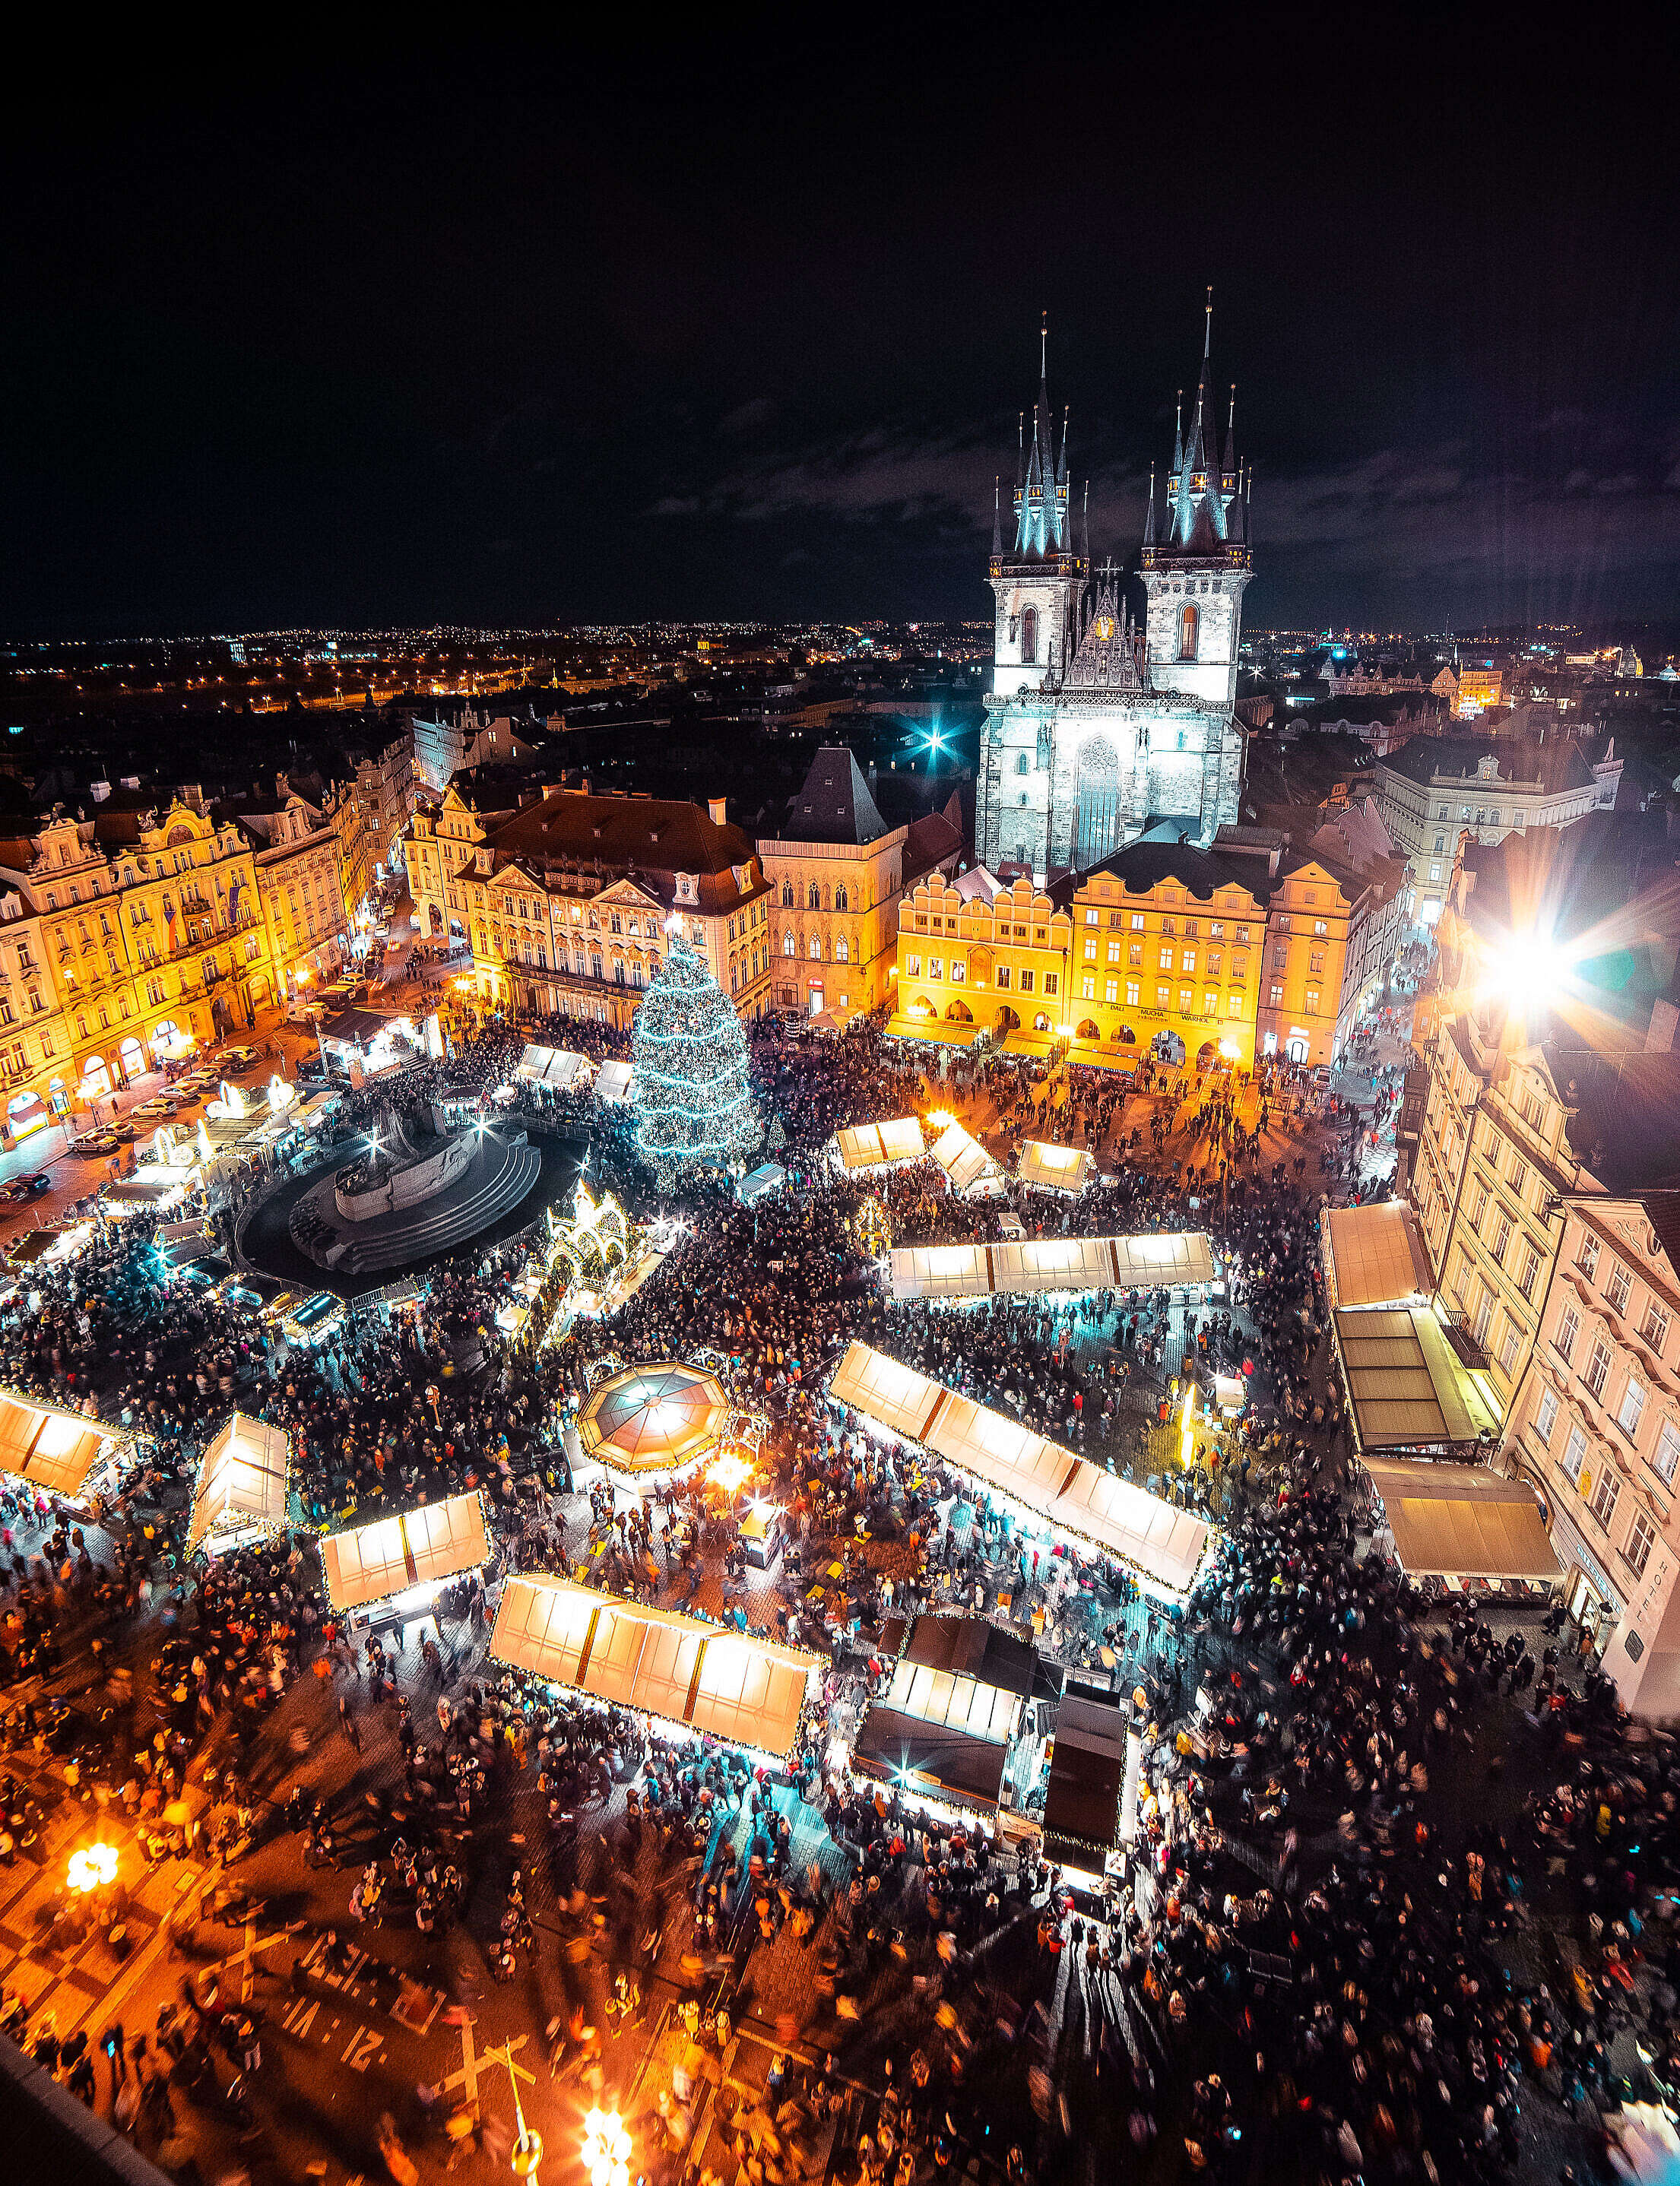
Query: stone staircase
{"type": "Point", "coordinates": [436, 1230]}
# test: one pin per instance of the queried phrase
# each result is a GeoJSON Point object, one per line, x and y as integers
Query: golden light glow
{"type": "Point", "coordinates": [941, 1118]}
{"type": "Point", "coordinates": [606, 2149]}
{"type": "Point", "coordinates": [1188, 1440]}
{"type": "Point", "coordinates": [1230, 1050]}
{"type": "Point", "coordinates": [91, 1867]}
{"type": "Point", "coordinates": [730, 1471]}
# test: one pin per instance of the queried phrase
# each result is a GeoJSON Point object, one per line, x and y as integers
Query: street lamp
{"type": "Point", "coordinates": [606, 2149]}
{"type": "Point", "coordinates": [91, 1867]}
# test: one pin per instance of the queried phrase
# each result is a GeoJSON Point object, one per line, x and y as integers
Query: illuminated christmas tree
{"type": "Point", "coordinates": [689, 1072]}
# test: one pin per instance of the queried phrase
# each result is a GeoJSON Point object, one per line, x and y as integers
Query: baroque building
{"type": "Point", "coordinates": [1097, 725]}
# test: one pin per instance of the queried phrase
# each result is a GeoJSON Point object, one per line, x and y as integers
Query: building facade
{"type": "Point", "coordinates": [1435, 789]}
{"type": "Point", "coordinates": [1154, 955]}
{"type": "Point", "coordinates": [563, 902]}
{"type": "Point", "coordinates": [300, 884]}
{"type": "Point", "coordinates": [836, 871]}
{"type": "Point", "coordinates": [1596, 1428]}
{"type": "Point", "coordinates": [1309, 924]}
{"type": "Point", "coordinates": [1096, 725]}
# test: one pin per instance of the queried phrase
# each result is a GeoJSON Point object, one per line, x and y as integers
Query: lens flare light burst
{"type": "Point", "coordinates": [91, 1867]}
{"type": "Point", "coordinates": [606, 2149]}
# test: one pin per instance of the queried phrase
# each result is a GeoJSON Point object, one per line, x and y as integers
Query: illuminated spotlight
{"type": "Point", "coordinates": [730, 1472]}
{"type": "Point", "coordinates": [941, 1118]}
{"type": "Point", "coordinates": [92, 1867]}
{"type": "Point", "coordinates": [1526, 968]}
{"type": "Point", "coordinates": [606, 2149]}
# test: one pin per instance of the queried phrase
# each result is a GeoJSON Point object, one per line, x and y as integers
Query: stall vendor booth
{"type": "Point", "coordinates": [396, 1566]}
{"type": "Point", "coordinates": [58, 1452]}
{"type": "Point", "coordinates": [612, 1083]}
{"type": "Point", "coordinates": [558, 1068]}
{"type": "Point", "coordinates": [1180, 1260]}
{"type": "Point", "coordinates": [1043, 1166]}
{"type": "Point", "coordinates": [240, 1493]}
{"type": "Point", "coordinates": [958, 1723]}
{"type": "Point", "coordinates": [1067, 1496]}
{"type": "Point", "coordinates": [970, 1170]}
{"type": "Point", "coordinates": [878, 1145]}
{"type": "Point", "coordinates": [1465, 1524]}
{"type": "Point", "coordinates": [688, 1675]}
{"type": "Point", "coordinates": [1081, 1817]}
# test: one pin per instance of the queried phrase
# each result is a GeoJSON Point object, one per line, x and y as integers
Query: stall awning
{"type": "Point", "coordinates": [731, 1684]}
{"type": "Point", "coordinates": [973, 1647]}
{"type": "Point", "coordinates": [1410, 1390]}
{"type": "Point", "coordinates": [533, 1065]}
{"type": "Point", "coordinates": [1082, 1801]}
{"type": "Point", "coordinates": [918, 1755]}
{"type": "Point", "coordinates": [1163, 1544]}
{"type": "Point", "coordinates": [940, 1030]}
{"type": "Point", "coordinates": [241, 1487]}
{"type": "Point", "coordinates": [612, 1083]}
{"type": "Point", "coordinates": [1036, 1044]}
{"type": "Point", "coordinates": [1462, 1522]}
{"type": "Point", "coordinates": [867, 1146]}
{"type": "Point", "coordinates": [54, 1450]}
{"type": "Point", "coordinates": [1086, 1057]}
{"type": "Point", "coordinates": [965, 1161]}
{"type": "Point", "coordinates": [1052, 1167]}
{"type": "Point", "coordinates": [1027, 1267]}
{"type": "Point", "coordinates": [416, 1548]}
{"type": "Point", "coordinates": [769, 1176]}
{"type": "Point", "coordinates": [1373, 1255]}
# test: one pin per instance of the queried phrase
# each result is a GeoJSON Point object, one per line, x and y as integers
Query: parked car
{"type": "Point", "coordinates": [30, 1187]}
{"type": "Point", "coordinates": [154, 1111]}
{"type": "Point", "coordinates": [237, 1060]}
{"type": "Point", "coordinates": [125, 1131]}
{"type": "Point", "coordinates": [93, 1144]}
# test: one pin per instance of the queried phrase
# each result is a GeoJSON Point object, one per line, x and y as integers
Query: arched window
{"type": "Point", "coordinates": [1030, 636]}
{"type": "Point", "coordinates": [813, 897]}
{"type": "Point", "coordinates": [787, 895]}
{"type": "Point", "coordinates": [1187, 632]}
{"type": "Point", "coordinates": [1021, 765]}
{"type": "Point", "coordinates": [816, 950]}
{"type": "Point", "coordinates": [842, 950]}
{"type": "Point", "coordinates": [788, 949]}
{"type": "Point", "coordinates": [842, 901]}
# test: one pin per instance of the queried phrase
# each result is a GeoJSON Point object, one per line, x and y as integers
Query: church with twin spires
{"type": "Point", "coordinates": [1097, 725]}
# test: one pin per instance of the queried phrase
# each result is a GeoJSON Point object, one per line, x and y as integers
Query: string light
{"type": "Point", "coordinates": [689, 1072]}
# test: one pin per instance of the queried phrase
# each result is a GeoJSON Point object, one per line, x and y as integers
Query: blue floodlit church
{"type": "Point", "coordinates": [1097, 725]}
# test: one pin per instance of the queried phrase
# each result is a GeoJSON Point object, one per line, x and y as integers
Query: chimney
{"type": "Point", "coordinates": [715, 805]}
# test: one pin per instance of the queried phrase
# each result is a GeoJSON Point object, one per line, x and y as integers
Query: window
{"type": "Point", "coordinates": [1312, 1001]}
{"type": "Point", "coordinates": [1320, 926]}
{"type": "Point", "coordinates": [813, 898]}
{"type": "Point", "coordinates": [842, 901]}
{"type": "Point", "coordinates": [1209, 1003]}
{"type": "Point", "coordinates": [1315, 963]}
{"type": "Point", "coordinates": [1435, 872]}
{"type": "Point", "coordinates": [1546, 1416]}
{"type": "Point", "coordinates": [1021, 766]}
{"type": "Point", "coordinates": [1029, 636]}
{"type": "Point", "coordinates": [1530, 1272]}
{"type": "Point", "coordinates": [1518, 1173]}
{"type": "Point", "coordinates": [1187, 634]}
{"type": "Point", "coordinates": [1655, 1329]}
{"type": "Point", "coordinates": [1026, 982]}
{"type": "Point", "coordinates": [935, 967]}
{"type": "Point", "coordinates": [1233, 1005]}
{"type": "Point", "coordinates": [1189, 960]}
{"type": "Point", "coordinates": [1502, 1236]}
{"type": "Point", "coordinates": [842, 950]}
{"type": "Point", "coordinates": [1167, 960]}
{"type": "Point", "coordinates": [1588, 1258]}
{"type": "Point", "coordinates": [1605, 1496]}
{"type": "Point", "coordinates": [1277, 998]}
{"type": "Point", "coordinates": [1638, 1549]}
{"type": "Point", "coordinates": [1163, 997]}
{"type": "Point", "coordinates": [1280, 960]}
{"type": "Point", "coordinates": [787, 895]}
{"type": "Point", "coordinates": [1091, 950]}
{"type": "Point", "coordinates": [1575, 1452]}
{"type": "Point", "coordinates": [1507, 1346]}
{"type": "Point", "coordinates": [1632, 1408]}
{"type": "Point", "coordinates": [788, 948]}
{"type": "Point", "coordinates": [959, 969]}
{"type": "Point", "coordinates": [1598, 1369]}
{"type": "Point", "coordinates": [1568, 1329]}
{"type": "Point", "coordinates": [1052, 982]}
{"type": "Point", "coordinates": [1187, 1001]}
{"type": "Point", "coordinates": [1137, 922]}
{"type": "Point", "coordinates": [1666, 1457]}
{"type": "Point", "coordinates": [1134, 955]}
{"type": "Point", "coordinates": [1110, 990]}
{"type": "Point", "coordinates": [1131, 994]}
{"type": "Point", "coordinates": [1620, 1286]}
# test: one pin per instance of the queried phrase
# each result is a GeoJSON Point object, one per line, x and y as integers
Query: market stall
{"type": "Point", "coordinates": [692, 1675]}
{"type": "Point", "coordinates": [878, 1145]}
{"type": "Point", "coordinates": [956, 1720]}
{"type": "Point", "coordinates": [1031, 1267]}
{"type": "Point", "coordinates": [1046, 1168]}
{"type": "Point", "coordinates": [1081, 1819]}
{"type": "Point", "coordinates": [401, 1561]}
{"type": "Point", "coordinates": [240, 1492]}
{"type": "Point", "coordinates": [1465, 1523]}
{"type": "Point", "coordinates": [612, 1083]}
{"type": "Point", "coordinates": [971, 1171]}
{"type": "Point", "coordinates": [52, 1449]}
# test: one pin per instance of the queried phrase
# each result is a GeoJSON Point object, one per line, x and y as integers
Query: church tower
{"type": "Point", "coordinates": [1198, 565]}
{"type": "Point", "coordinates": [1038, 583]}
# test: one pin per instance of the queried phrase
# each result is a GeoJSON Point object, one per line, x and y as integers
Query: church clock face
{"type": "Point", "coordinates": [1105, 627]}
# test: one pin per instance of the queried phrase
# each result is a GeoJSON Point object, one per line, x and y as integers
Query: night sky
{"type": "Point", "coordinates": [737, 323]}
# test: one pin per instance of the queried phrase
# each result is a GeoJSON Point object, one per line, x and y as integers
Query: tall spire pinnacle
{"type": "Point", "coordinates": [1178, 432]}
{"type": "Point", "coordinates": [1085, 525]}
{"type": "Point", "coordinates": [1149, 511]}
{"type": "Point", "coordinates": [996, 517]}
{"type": "Point", "coordinates": [1207, 336]}
{"type": "Point", "coordinates": [1044, 347]}
{"type": "Point", "coordinates": [1061, 468]}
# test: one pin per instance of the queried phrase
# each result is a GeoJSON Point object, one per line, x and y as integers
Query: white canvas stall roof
{"type": "Point", "coordinates": [902, 1139]}
{"type": "Point", "coordinates": [1147, 1530]}
{"type": "Point", "coordinates": [533, 1064]}
{"type": "Point", "coordinates": [1052, 1167]}
{"type": "Point", "coordinates": [1373, 1255]}
{"type": "Point", "coordinates": [940, 1272]}
{"type": "Point", "coordinates": [1462, 1522]}
{"type": "Point", "coordinates": [612, 1082]}
{"type": "Point", "coordinates": [53, 1449]}
{"type": "Point", "coordinates": [415, 1548]}
{"type": "Point", "coordinates": [1164, 1256]}
{"type": "Point", "coordinates": [242, 1481]}
{"type": "Point", "coordinates": [729, 1684]}
{"type": "Point", "coordinates": [964, 1160]}
{"type": "Point", "coordinates": [953, 1703]}
{"type": "Point", "coordinates": [1166, 1545]}
{"type": "Point", "coordinates": [867, 1146]}
{"type": "Point", "coordinates": [895, 1396]}
{"type": "Point", "coordinates": [1033, 1264]}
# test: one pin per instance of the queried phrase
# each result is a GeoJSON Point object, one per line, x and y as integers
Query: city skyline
{"type": "Point", "coordinates": [409, 345]}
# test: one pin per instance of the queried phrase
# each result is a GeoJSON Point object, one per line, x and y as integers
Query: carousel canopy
{"type": "Point", "coordinates": [654, 1419]}
{"type": "Point", "coordinates": [52, 1449]}
{"type": "Point", "coordinates": [965, 1161]}
{"type": "Point", "coordinates": [365, 1563]}
{"type": "Point", "coordinates": [241, 1487]}
{"type": "Point", "coordinates": [869, 1146]}
{"type": "Point", "coordinates": [1160, 1542]}
{"type": "Point", "coordinates": [730, 1685]}
{"type": "Point", "coordinates": [1053, 1169]}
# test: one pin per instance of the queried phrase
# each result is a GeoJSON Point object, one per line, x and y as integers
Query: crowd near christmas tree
{"type": "Point", "coordinates": [1362, 1816]}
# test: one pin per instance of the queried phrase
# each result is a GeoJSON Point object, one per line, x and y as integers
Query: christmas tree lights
{"type": "Point", "coordinates": [689, 1072]}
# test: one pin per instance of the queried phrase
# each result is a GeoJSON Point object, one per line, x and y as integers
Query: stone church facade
{"type": "Point", "coordinates": [1097, 725]}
